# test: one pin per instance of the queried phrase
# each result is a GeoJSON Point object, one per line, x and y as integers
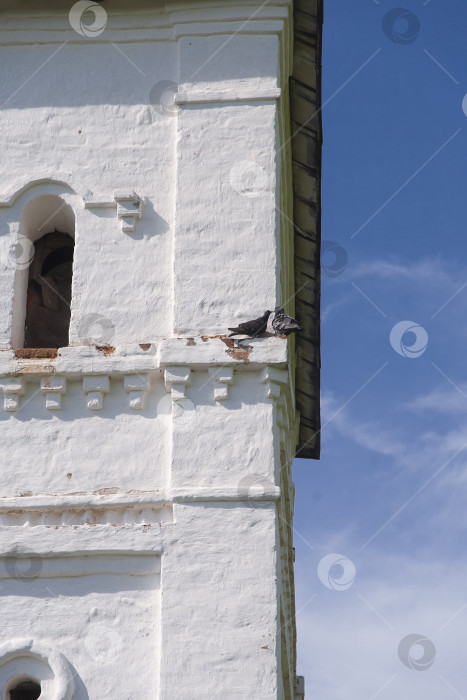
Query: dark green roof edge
{"type": "Point", "coordinates": [306, 129]}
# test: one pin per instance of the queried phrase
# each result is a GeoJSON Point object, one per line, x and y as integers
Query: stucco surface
{"type": "Point", "coordinates": [146, 467]}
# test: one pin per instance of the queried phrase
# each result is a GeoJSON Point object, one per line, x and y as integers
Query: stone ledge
{"type": "Point", "coordinates": [260, 489]}
{"type": "Point", "coordinates": [149, 26]}
{"type": "Point", "coordinates": [205, 352]}
{"type": "Point", "coordinates": [187, 97]}
{"type": "Point", "coordinates": [62, 565]}
{"type": "Point", "coordinates": [87, 517]}
{"type": "Point", "coordinates": [200, 353]}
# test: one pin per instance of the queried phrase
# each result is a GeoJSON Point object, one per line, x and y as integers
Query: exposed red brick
{"type": "Point", "coordinates": [36, 353]}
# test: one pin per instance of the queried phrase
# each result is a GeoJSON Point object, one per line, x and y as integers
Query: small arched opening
{"type": "Point", "coordinates": [48, 296]}
{"type": "Point", "coordinates": [25, 690]}
{"type": "Point", "coordinates": [43, 287]}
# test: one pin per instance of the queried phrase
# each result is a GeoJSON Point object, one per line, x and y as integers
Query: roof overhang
{"type": "Point", "coordinates": [306, 129]}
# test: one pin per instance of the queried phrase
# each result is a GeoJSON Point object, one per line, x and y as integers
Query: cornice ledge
{"type": "Point", "coordinates": [203, 352]}
{"type": "Point", "coordinates": [161, 498]}
{"type": "Point", "coordinates": [64, 501]}
{"type": "Point", "coordinates": [200, 352]}
{"type": "Point", "coordinates": [220, 12]}
{"type": "Point", "coordinates": [187, 97]}
{"type": "Point", "coordinates": [253, 25]}
{"type": "Point", "coordinates": [257, 492]}
{"type": "Point", "coordinates": [78, 361]}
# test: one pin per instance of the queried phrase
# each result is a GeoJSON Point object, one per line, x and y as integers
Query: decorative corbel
{"type": "Point", "coordinates": [12, 388]}
{"type": "Point", "coordinates": [53, 387]}
{"type": "Point", "coordinates": [129, 208]}
{"type": "Point", "coordinates": [95, 387]}
{"type": "Point", "coordinates": [176, 381]}
{"type": "Point", "coordinates": [278, 389]}
{"type": "Point", "coordinates": [221, 377]}
{"type": "Point", "coordinates": [275, 380]}
{"type": "Point", "coordinates": [137, 387]}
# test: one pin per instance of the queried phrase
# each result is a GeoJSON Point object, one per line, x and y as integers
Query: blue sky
{"type": "Point", "coordinates": [390, 491]}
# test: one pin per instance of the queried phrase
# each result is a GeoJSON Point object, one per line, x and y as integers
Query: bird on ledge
{"type": "Point", "coordinates": [283, 324]}
{"type": "Point", "coordinates": [252, 328]}
{"type": "Point", "coordinates": [276, 323]}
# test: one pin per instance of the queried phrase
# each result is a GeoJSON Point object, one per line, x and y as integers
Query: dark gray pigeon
{"type": "Point", "coordinates": [252, 328]}
{"type": "Point", "coordinates": [283, 324]}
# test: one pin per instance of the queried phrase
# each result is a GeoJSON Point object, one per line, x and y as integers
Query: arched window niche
{"type": "Point", "coordinates": [44, 270]}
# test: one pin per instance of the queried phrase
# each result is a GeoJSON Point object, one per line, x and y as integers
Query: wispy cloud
{"type": "Point", "coordinates": [396, 438]}
{"type": "Point", "coordinates": [341, 632]}
{"type": "Point", "coordinates": [372, 435]}
{"type": "Point", "coordinates": [435, 271]}
{"type": "Point", "coordinates": [442, 399]}
{"type": "Point", "coordinates": [439, 283]}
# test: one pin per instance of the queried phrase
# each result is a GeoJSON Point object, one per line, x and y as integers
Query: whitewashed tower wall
{"type": "Point", "coordinates": [146, 498]}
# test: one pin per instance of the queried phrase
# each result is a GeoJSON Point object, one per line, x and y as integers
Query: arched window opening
{"type": "Point", "coordinates": [43, 257]}
{"type": "Point", "coordinates": [49, 292]}
{"type": "Point", "coordinates": [25, 690]}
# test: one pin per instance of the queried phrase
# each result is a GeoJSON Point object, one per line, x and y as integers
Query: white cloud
{"type": "Point", "coordinates": [409, 449]}
{"type": "Point", "coordinates": [348, 641]}
{"type": "Point", "coordinates": [434, 271]}
{"type": "Point", "coordinates": [426, 476]}
{"type": "Point", "coordinates": [433, 278]}
{"type": "Point", "coordinates": [443, 399]}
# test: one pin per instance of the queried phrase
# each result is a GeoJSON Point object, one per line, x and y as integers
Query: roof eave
{"type": "Point", "coordinates": [306, 129]}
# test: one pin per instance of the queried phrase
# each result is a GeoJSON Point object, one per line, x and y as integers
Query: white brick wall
{"type": "Point", "coordinates": [145, 497]}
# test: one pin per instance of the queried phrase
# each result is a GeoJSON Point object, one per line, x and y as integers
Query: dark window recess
{"type": "Point", "coordinates": [49, 292]}
{"type": "Point", "coordinates": [26, 690]}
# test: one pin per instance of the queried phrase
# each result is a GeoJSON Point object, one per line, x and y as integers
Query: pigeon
{"type": "Point", "coordinates": [252, 328]}
{"type": "Point", "coordinates": [283, 324]}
